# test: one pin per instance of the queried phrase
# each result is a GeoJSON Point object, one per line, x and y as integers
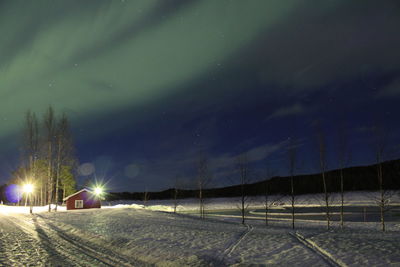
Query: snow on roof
{"type": "Point", "coordinates": [80, 191]}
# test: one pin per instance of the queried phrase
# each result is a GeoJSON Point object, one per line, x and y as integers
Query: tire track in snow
{"type": "Point", "coordinates": [312, 246]}
{"type": "Point", "coordinates": [69, 254]}
{"type": "Point", "coordinates": [102, 254]}
{"type": "Point", "coordinates": [231, 246]}
{"type": "Point", "coordinates": [21, 247]}
{"type": "Point", "coordinates": [71, 248]}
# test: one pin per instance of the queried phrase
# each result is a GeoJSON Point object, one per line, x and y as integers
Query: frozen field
{"type": "Point", "coordinates": [129, 235]}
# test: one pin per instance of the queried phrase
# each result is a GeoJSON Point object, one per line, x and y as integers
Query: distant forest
{"type": "Point", "coordinates": [355, 179]}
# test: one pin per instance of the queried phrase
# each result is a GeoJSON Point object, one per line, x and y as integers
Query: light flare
{"type": "Point", "coordinates": [28, 188]}
{"type": "Point", "coordinates": [98, 190]}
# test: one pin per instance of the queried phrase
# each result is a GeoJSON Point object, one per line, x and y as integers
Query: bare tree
{"type": "Point", "coordinates": [60, 143]}
{"type": "Point", "coordinates": [49, 127]}
{"type": "Point", "coordinates": [244, 179]}
{"type": "Point", "coordinates": [379, 143]}
{"type": "Point", "coordinates": [175, 192]}
{"type": "Point", "coordinates": [344, 156]}
{"type": "Point", "coordinates": [47, 156]}
{"type": "Point", "coordinates": [269, 200]}
{"type": "Point", "coordinates": [203, 180]}
{"type": "Point", "coordinates": [146, 197]}
{"type": "Point", "coordinates": [323, 168]}
{"type": "Point", "coordinates": [31, 146]}
{"type": "Point", "coordinates": [64, 153]}
{"type": "Point", "coordinates": [292, 159]}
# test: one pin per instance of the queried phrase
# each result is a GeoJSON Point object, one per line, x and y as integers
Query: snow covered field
{"type": "Point", "coordinates": [130, 235]}
{"type": "Point", "coordinates": [351, 198]}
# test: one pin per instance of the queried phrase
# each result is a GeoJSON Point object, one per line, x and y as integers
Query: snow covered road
{"type": "Point", "coordinates": [20, 248]}
{"type": "Point", "coordinates": [139, 237]}
{"type": "Point", "coordinates": [28, 241]}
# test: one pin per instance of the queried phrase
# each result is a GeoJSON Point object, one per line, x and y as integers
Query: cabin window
{"type": "Point", "coordinates": [78, 204]}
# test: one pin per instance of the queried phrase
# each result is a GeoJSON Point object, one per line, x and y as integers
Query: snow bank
{"type": "Point", "coordinates": [26, 209]}
{"type": "Point", "coordinates": [192, 204]}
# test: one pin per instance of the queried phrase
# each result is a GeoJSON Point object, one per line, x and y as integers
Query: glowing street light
{"type": "Point", "coordinates": [98, 190]}
{"type": "Point", "coordinates": [28, 188]}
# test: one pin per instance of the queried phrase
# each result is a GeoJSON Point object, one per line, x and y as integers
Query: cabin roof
{"type": "Point", "coordinates": [74, 194]}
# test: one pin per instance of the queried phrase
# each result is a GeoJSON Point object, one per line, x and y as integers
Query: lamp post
{"type": "Point", "coordinates": [28, 190]}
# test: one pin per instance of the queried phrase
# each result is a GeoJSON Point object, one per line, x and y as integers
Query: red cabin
{"type": "Point", "coordinates": [83, 199]}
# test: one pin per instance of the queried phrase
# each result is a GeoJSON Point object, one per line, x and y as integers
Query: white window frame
{"type": "Point", "coordinates": [79, 204]}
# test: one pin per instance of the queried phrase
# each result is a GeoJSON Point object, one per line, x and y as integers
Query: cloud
{"type": "Point", "coordinates": [295, 109]}
{"type": "Point", "coordinates": [254, 154]}
{"type": "Point", "coordinates": [391, 90]}
{"type": "Point", "coordinates": [328, 42]}
{"type": "Point", "coordinates": [159, 173]}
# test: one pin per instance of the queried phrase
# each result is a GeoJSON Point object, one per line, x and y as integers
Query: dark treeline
{"type": "Point", "coordinates": [356, 179]}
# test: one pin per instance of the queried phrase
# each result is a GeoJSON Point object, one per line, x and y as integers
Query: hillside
{"type": "Point", "coordinates": [355, 179]}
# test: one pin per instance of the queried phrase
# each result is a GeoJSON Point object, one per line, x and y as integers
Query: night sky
{"type": "Point", "coordinates": [151, 85]}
